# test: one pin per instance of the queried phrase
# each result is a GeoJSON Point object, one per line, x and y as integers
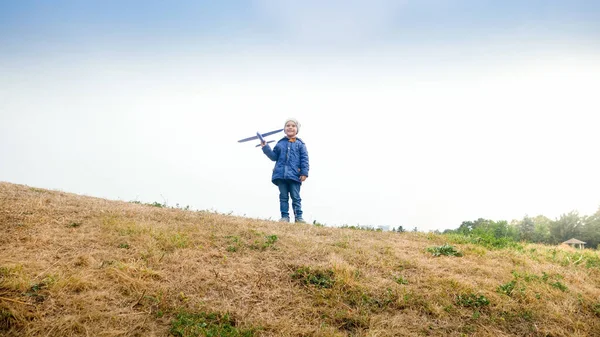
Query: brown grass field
{"type": "Point", "coordinates": [74, 265]}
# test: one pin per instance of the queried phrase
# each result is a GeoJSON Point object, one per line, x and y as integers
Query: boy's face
{"type": "Point", "coordinates": [290, 129]}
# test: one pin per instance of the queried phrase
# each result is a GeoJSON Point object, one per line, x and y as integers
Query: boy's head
{"type": "Point", "coordinates": [291, 127]}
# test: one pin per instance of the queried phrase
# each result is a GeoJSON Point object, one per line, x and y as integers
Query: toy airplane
{"type": "Point", "coordinates": [260, 136]}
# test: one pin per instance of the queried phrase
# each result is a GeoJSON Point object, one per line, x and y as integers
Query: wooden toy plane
{"type": "Point", "coordinates": [260, 136]}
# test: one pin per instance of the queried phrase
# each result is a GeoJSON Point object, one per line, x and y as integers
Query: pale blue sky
{"type": "Point", "coordinates": [415, 113]}
{"type": "Point", "coordinates": [82, 25]}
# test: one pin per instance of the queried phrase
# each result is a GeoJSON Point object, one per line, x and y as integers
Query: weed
{"type": "Point", "coordinates": [400, 280]}
{"type": "Point", "coordinates": [235, 243]}
{"type": "Point", "coordinates": [319, 278]}
{"type": "Point", "coordinates": [596, 309]}
{"type": "Point", "coordinates": [318, 224]}
{"type": "Point", "coordinates": [124, 245]}
{"type": "Point", "coordinates": [271, 239]}
{"type": "Point", "coordinates": [592, 261]}
{"type": "Point", "coordinates": [530, 277]}
{"type": "Point", "coordinates": [559, 286]}
{"type": "Point", "coordinates": [507, 288]}
{"type": "Point", "coordinates": [526, 315]}
{"type": "Point", "coordinates": [207, 324]}
{"type": "Point", "coordinates": [34, 289]}
{"type": "Point", "coordinates": [74, 224]}
{"type": "Point", "coordinates": [471, 300]}
{"type": "Point", "coordinates": [444, 249]}
{"type": "Point", "coordinates": [269, 242]}
{"type": "Point", "coordinates": [341, 244]}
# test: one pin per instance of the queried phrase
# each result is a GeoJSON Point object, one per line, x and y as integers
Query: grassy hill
{"type": "Point", "coordinates": [73, 265]}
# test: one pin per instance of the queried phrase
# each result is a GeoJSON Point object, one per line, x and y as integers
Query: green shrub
{"type": "Point", "coordinates": [444, 249]}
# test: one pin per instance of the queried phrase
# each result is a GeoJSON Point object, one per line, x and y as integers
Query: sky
{"type": "Point", "coordinates": [415, 113]}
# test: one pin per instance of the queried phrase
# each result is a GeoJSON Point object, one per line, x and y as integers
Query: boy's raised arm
{"type": "Point", "coordinates": [266, 149]}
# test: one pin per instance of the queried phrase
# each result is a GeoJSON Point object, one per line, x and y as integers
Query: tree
{"type": "Point", "coordinates": [590, 233]}
{"type": "Point", "coordinates": [541, 232]}
{"type": "Point", "coordinates": [526, 229]}
{"type": "Point", "coordinates": [566, 227]}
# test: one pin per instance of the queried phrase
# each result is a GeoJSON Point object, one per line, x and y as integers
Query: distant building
{"type": "Point", "coordinates": [575, 243]}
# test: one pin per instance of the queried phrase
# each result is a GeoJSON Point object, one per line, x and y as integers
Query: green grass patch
{"type": "Point", "coordinates": [373, 301]}
{"type": "Point", "coordinates": [207, 324]}
{"type": "Point", "coordinates": [471, 300]}
{"type": "Point", "coordinates": [596, 309]}
{"type": "Point", "coordinates": [587, 258]}
{"type": "Point", "coordinates": [488, 241]}
{"type": "Point", "coordinates": [558, 285]}
{"type": "Point", "coordinates": [314, 277]}
{"type": "Point", "coordinates": [252, 240]}
{"type": "Point", "coordinates": [266, 242]}
{"type": "Point", "coordinates": [400, 280]}
{"type": "Point", "coordinates": [507, 288]}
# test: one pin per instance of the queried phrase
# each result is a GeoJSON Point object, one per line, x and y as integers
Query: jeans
{"type": "Point", "coordinates": [289, 188]}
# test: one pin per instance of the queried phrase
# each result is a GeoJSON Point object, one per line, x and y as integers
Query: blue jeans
{"type": "Point", "coordinates": [289, 188]}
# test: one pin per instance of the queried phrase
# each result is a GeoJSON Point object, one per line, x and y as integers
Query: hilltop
{"type": "Point", "coordinates": [73, 265]}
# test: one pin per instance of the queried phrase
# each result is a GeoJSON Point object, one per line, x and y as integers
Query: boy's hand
{"type": "Point", "coordinates": [302, 178]}
{"type": "Point", "coordinates": [262, 144]}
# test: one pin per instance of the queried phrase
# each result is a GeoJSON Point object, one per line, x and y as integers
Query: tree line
{"type": "Point", "coordinates": [538, 229]}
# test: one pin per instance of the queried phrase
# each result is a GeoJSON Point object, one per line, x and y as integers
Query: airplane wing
{"type": "Point", "coordinates": [256, 137]}
{"type": "Point", "coordinates": [271, 132]}
{"type": "Point", "coordinates": [247, 139]}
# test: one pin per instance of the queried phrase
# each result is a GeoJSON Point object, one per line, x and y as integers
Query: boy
{"type": "Point", "coordinates": [291, 169]}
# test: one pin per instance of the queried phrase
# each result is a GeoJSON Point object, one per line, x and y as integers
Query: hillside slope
{"type": "Point", "coordinates": [73, 265]}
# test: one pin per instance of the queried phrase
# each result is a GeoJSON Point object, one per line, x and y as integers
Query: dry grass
{"type": "Point", "coordinates": [80, 266]}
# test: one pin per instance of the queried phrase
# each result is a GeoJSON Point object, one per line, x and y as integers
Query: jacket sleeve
{"type": "Point", "coordinates": [273, 155]}
{"type": "Point", "coordinates": [304, 166]}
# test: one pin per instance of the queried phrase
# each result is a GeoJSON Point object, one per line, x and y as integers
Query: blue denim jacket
{"type": "Point", "coordinates": [291, 159]}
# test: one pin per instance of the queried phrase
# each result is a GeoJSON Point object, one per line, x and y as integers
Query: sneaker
{"type": "Point", "coordinates": [284, 220]}
{"type": "Point", "coordinates": [300, 220]}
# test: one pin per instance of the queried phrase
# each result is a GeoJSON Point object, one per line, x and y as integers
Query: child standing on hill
{"type": "Point", "coordinates": [291, 169]}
